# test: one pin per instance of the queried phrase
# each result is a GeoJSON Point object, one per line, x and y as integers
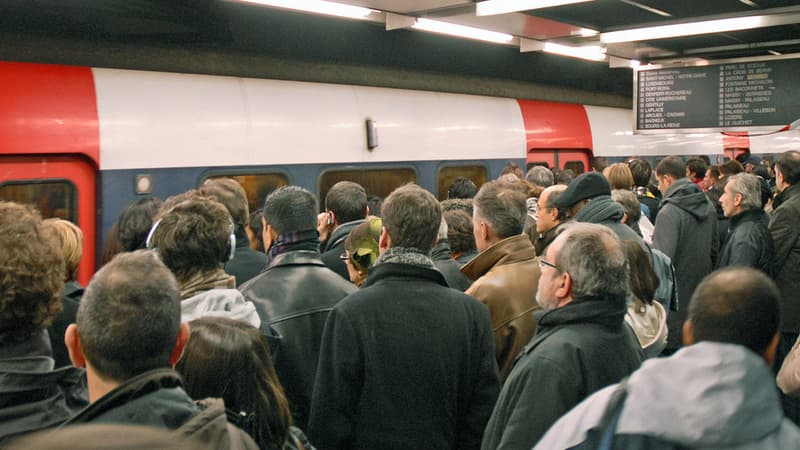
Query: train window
{"type": "Point", "coordinates": [447, 174]}
{"type": "Point", "coordinates": [258, 186]}
{"type": "Point", "coordinates": [575, 166]}
{"type": "Point", "coordinates": [380, 182]}
{"type": "Point", "coordinates": [53, 198]}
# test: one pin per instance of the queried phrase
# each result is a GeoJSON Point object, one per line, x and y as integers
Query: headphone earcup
{"type": "Point", "coordinates": [232, 245]}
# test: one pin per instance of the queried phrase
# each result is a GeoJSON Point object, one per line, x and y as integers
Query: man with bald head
{"type": "Point", "coordinates": [717, 392]}
{"type": "Point", "coordinates": [582, 343]}
{"type": "Point", "coordinates": [549, 216]}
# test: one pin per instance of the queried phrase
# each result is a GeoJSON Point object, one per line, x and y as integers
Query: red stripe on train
{"type": "Point", "coordinates": [48, 109]}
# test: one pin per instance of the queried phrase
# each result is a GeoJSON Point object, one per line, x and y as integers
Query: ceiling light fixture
{"type": "Point", "coordinates": [684, 29]}
{"type": "Point", "coordinates": [435, 26]}
{"type": "Point", "coordinates": [318, 6]}
{"type": "Point", "coordinates": [492, 7]}
{"type": "Point", "coordinates": [588, 52]}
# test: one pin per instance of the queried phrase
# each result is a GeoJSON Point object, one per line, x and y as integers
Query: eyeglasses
{"type": "Point", "coordinates": [544, 263]}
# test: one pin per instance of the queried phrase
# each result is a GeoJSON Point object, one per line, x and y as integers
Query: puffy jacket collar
{"type": "Point", "coordinates": [687, 196]}
{"type": "Point", "coordinates": [296, 258]}
{"type": "Point", "coordinates": [508, 251]}
{"type": "Point", "coordinates": [389, 271]}
{"type": "Point", "coordinates": [340, 233]}
{"type": "Point", "coordinates": [137, 387]}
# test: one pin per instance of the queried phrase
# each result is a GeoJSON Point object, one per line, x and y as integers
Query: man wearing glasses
{"type": "Point", "coordinates": [582, 344]}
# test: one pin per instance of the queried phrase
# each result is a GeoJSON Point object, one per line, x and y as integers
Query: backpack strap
{"type": "Point", "coordinates": [610, 420]}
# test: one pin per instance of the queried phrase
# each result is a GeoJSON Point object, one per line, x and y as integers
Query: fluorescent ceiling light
{"type": "Point", "coordinates": [451, 29]}
{"type": "Point", "coordinates": [492, 7]}
{"type": "Point", "coordinates": [590, 52]}
{"type": "Point", "coordinates": [318, 6]}
{"type": "Point", "coordinates": [684, 29]}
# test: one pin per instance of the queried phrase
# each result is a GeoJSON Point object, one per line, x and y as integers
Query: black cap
{"type": "Point", "coordinates": [587, 185]}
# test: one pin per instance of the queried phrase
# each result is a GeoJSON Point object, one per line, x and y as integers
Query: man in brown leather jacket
{"type": "Point", "coordinates": [505, 271]}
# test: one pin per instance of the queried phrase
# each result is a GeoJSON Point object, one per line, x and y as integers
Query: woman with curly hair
{"type": "Point", "coordinates": [230, 359]}
{"type": "Point", "coordinates": [33, 396]}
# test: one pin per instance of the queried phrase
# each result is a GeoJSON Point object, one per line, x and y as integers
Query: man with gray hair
{"type": "Point", "coordinates": [582, 344]}
{"type": "Point", "coordinates": [505, 271]}
{"type": "Point", "coordinates": [406, 362]}
{"type": "Point", "coordinates": [749, 241]}
{"type": "Point", "coordinates": [540, 176]}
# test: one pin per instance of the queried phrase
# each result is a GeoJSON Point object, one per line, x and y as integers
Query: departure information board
{"type": "Point", "coordinates": [729, 96]}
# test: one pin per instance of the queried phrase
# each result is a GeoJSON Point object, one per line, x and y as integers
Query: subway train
{"type": "Point", "coordinates": [81, 143]}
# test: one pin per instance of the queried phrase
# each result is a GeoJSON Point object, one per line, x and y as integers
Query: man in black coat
{"type": "Point", "coordinates": [749, 242]}
{"type": "Point", "coordinates": [406, 362]}
{"type": "Point", "coordinates": [582, 343]}
{"type": "Point", "coordinates": [295, 291]}
{"type": "Point", "coordinates": [246, 262]}
{"type": "Point", "coordinates": [128, 335]}
{"type": "Point", "coordinates": [345, 207]}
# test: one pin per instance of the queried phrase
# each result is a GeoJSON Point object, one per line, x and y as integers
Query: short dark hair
{"type": "Point", "coordinates": [736, 305]}
{"type": "Point", "coordinates": [672, 166]}
{"type": "Point", "coordinates": [257, 227]}
{"type": "Point", "coordinates": [32, 274]}
{"type": "Point", "coordinates": [565, 176]}
{"type": "Point", "coordinates": [714, 170]}
{"type": "Point", "coordinates": [697, 166]}
{"type": "Point", "coordinates": [731, 167]}
{"type": "Point", "coordinates": [644, 280]}
{"type": "Point", "coordinates": [641, 171]}
{"type": "Point", "coordinates": [232, 196]}
{"type": "Point", "coordinates": [193, 237]}
{"type": "Point", "coordinates": [459, 231]}
{"type": "Point", "coordinates": [412, 216]}
{"type": "Point", "coordinates": [219, 347]}
{"type": "Point", "coordinates": [503, 207]}
{"type": "Point", "coordinates": [462, 187]}
{"type": "Point", "coordinates": [289, 209]}
{"type": "Point", "coordinates": [458, 204]}
{"type": "Point", "coordinates": [789, 165]}
{"type": "Point", "coordinates": [347, 200]}
{"type": "Point", "coordinates": [135, 221]}
{"type": "Point", "coordinates": [129, 317]}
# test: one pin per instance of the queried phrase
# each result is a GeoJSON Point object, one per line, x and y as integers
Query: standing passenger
{"type": "Point", "coordinates": [295, 291]}
{"type": "Point", "coordinates": [686, 231]}
{"type": "Point", "coordinates": [749, 242]}
{"type": "Point", "coordinates": [246, 262]}
{"type": "Point", "coordinates": [505, 271]}
{"type": "Point", "coordinates": [549, 216]}
{"type": "Point", "coordinates": [405, 362]}
{"type": "Point", "coordinates": [33, 395]}
{"type": "Point", "coordinates": [582, 343]}
{"type": "Point", "coordinates": [345, 207]}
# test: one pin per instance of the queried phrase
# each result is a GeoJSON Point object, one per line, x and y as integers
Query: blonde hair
{"type": "Point", "coordinates": [619, 176]}
{"type": "Point", "coordinates": [68, 239]}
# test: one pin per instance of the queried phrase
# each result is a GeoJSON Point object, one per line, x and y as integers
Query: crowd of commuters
{"type": "Point", "coordinates": [633, 306]}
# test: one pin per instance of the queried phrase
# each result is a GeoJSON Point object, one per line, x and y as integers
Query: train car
{"type": "Point", "coordinates": [81, 143]}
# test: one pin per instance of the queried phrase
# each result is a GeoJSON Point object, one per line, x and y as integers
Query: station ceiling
{"type": "Point", "coordinates": [148, 34]}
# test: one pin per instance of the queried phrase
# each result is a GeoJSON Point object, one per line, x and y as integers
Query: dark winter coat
{"type": "Point", "coordinates": [406, 363]}
{"type": "Point", "coordinates": [749, 242]}
{"type": "Point", "coordinates": [451, 270]}
{"type": "Point", "coordinates": [246, 262]}
{"type": "Point", "coordinates": [334, 248]}
{"type": "Point", "coordinates": [686, 231]}
{"type": "Point", "coordinates": [294, 295]}
{"type": "Point", "coordinates": [602, 210]}
{"type": "Point", "coordinates": [578, 349]}
{"type": "Point", "coordinates": [785, 230]}
{"type": "Point", "coordinates": [33, 396]}
{"type": "Point", "coordinates": [70, 301]}
{"type": "Point", "coordinates": [156, 398]}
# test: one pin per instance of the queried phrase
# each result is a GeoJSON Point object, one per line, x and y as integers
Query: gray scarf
{"type": "Point", "coordinates": [406, 255]}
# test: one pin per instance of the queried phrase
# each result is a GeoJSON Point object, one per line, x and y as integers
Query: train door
{"type": "Point", "coordinates": [58, 186]}
{"type": "Point", "coordinates": [577, 160]}
{"type": "Point", "coordinates": [558, 135]}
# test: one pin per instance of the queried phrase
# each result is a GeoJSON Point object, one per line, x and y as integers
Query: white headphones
{"type": "Point", "coordinates": [231, 238]}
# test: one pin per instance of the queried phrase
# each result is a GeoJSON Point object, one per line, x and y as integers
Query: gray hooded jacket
{"type": "Point", "coordinates": [708, 395]}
